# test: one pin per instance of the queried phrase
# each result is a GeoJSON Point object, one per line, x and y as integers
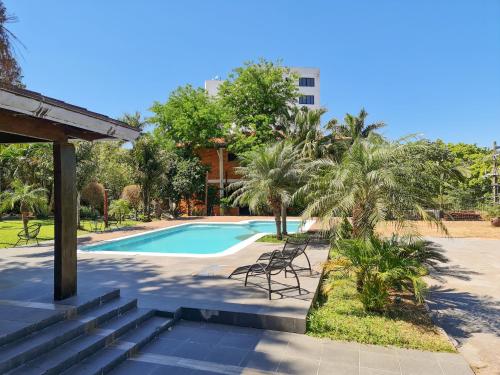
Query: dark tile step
{"type": "Point", "coordinates": [76, 350]}
{"type": "Point", "coordinates": [74, 305]}
{"type": "Point", "coordinates": [39, 342]}
{"type": "Point", "coordinates": [108, 358]}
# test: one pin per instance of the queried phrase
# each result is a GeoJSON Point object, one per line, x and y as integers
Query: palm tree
{"type": "Point", "coordinates": [10, 72]}
{"type": "Point", "coordinates": [368, 185]}
{"type": "Point", "coordinates": [305, 132]}
{"type": "Point", "coordinates": [134, 119]}
{"type": "Point", "coordinates": [354, 126]}
{"type": "Point", "coordinates": [28, 197]}
{"type": "Point", "coordinates": [266, 176]}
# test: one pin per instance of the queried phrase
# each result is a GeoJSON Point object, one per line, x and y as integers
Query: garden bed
{"type": "Point", "coordinates": [339, 315]}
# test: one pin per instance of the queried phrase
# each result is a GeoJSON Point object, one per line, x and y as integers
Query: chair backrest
{"type": "Point", "coordinates": [33, 230]}
{"type": "Point", "coordinates": [296, 243]}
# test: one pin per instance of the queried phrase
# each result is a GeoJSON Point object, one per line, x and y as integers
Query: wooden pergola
{"type": "Point", "coordinates": [27, 117]}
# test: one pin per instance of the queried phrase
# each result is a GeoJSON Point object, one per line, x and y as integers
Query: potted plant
{"type": "Point", "coordinates": [225, 204]}
{"type": "Point", "coordinates": [493, 214]}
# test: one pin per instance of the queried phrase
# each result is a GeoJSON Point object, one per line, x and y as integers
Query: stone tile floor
{"type": "Point", "coordinates": [204, 348]}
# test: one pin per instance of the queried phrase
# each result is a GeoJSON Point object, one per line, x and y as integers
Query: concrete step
{"type": "Point", "coordinates": [127, 345]}
{"type": "Point", "coordinates": [40, 342]}
{"type": "Point", "coordinates": [72, 352]}
{"type": "Point", "coordinates": [61, 311]}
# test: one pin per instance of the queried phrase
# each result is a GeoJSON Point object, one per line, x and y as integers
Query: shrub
{"type": "Point", "coordinates": [87, 212]}
{"type": "Point", "coordinates": [119, 208]}
{"type": "Point", "coordinates": [382, 265]}
{"type": "Point", "coordinates": [93, 195]}
{"type": "Point", "coordinates": [132, 194]}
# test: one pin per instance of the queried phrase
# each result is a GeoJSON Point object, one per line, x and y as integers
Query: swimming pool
{"type": "Point", "coordinates": [197, 239]}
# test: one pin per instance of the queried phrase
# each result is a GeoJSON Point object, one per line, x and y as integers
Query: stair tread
{"type": "Point", "coordinates": [58, 329]}
{"type": "Point", "coordinates": [95, 363]}
{"type": "Point", "coordinates": [81, 343]}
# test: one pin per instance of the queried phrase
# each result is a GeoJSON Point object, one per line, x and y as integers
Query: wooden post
{"type": "Point", "coordinates": [65, 221]}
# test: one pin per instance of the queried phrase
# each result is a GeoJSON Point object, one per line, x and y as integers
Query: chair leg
{"type": "Point", "coordinates": [309, 263]}
{"type": "Point", "coordinates": [19, 240]}
{"type": "Point", "coordinates": [296, 278]}
{"type": "Point", "coordinates": [269, 285]}
{"type": "Point", "coordinates": [246, 276]}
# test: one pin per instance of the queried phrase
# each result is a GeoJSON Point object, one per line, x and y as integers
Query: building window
{"type": "Point", "coordinates": [231, 156]}
{"type": "Point", "coordinates": [306, 82]}
{"type": "Point", "coordinates": [306, 99]}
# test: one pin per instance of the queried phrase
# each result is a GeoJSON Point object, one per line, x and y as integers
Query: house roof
{"type": "Point", "coordinates": [33, 116]}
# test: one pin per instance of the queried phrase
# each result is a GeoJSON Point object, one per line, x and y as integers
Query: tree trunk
{"type": "Point", "coordinates": [277, 219]}
{"type": "Point", "coordinates": [78, 224]}
{"type": "Point", "coordinates": [24, 216]}
{"type": "Point", "coordinates": [283, 219]}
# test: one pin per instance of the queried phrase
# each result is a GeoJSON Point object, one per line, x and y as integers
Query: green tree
{"type": "Point", "coordinates": [134, 119]}
{"type": "Point", "coordinates": [256, 96]}
{"type": "Point", "coordinates": [147, 159]}
{"type": "Point", "coordinates": [28, 197]}
{"type": "Point", "coordinates": [10, 71]}
{"type": "Point", "coordinates": [190, 117]}
{"type": "Point", "coordinates": [369, 184]}
{"type": "Point", "coordinates": [266, 176]}
{"type": "Point", "coordinates": [189, 179]}
{"type": "Point", "coordinates": [119, 208]}
{"type": "Point", "coordinates": [354, 127]}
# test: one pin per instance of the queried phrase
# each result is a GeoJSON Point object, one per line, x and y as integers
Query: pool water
{"type": "Point", "coordinates": [201, 239]}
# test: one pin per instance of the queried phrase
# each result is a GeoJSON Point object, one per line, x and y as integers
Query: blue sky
{"type": "Point", "coordinates": [427, 66]}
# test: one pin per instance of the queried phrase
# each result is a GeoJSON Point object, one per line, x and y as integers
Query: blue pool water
{"type": "Point", "coordinates": [191, 238]}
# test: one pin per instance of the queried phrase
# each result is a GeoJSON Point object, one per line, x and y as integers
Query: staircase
{"type": "Point", "coordinates": [91, 338]}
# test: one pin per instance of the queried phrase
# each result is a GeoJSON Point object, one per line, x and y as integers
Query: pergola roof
{"type": "Point", "coordinates": [28, 116]}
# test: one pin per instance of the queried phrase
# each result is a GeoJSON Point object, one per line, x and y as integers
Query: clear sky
{"type": "Point", "coordinates": [426, 66]}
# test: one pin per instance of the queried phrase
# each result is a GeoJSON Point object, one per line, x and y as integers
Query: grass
{"type": "Point", "coordinates": [10, 228]}
{"type": "Point", "coordinates": [271, 238]}
{"type": "Point", "coordinates": [339, 315]}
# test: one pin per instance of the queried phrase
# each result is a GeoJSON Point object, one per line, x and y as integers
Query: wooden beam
{"type": "Point", "coordinates": [34, 127]}
{"type": "Point", "coordinates": [14, 138]}
{"type": "Point", "coordinates": [65, 276]}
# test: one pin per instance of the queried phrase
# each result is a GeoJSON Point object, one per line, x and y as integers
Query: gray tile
{"type": "Point", "coordinates": [374, 360]}
{"type": "Point", "coordinates": [261, 361]}
{"type": "Point", "coordinates": [162, 346]}
{"type": "Point", "coordinates": [305, 347]}
{"type": "Point", "coordinates": [206, 335]}
{"type": "Point", "coordinates": [184, 333]}
{"type": "Point", "coordinates": [240, 341]}
{"type": "Point", "coordinates": [293, 365]}
{"type": "Point", "coordinates": [329, 368]}
{"type": "Point", "coordinates": [341, 353]}
{"type": "Point", "coordinates": [459, 367]}
{"type": "Point", "coordinates": [371, 371]}
{"type": "Point", "coordinates": [419, 366]}
{"type": "Point", "coordinates": [226, 355]}
{"type": "Point", "coordinates": [134, 368]}
{"type": "Point", "coordinates": [192, 350]}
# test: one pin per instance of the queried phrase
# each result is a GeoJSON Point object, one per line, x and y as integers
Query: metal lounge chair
{"type": "Point", "coordinates": [31, 234]}
{"type": "Point", "coordinates": [277, 263]}
{"type": "Point", "coordinates": [290, 245]}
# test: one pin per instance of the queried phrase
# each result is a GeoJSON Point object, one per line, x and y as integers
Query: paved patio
{"type": "Point", "coordinates": [465, 297]}
{"type": "Point", "coordinates": [198, 285]}
{"type": "Point", "coordinates": [205, 348]}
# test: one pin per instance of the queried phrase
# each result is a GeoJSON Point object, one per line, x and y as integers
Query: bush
{"type": "Point", "coordinates": [89, 213]}
{"type": "Point", "coordinates": [383, 265]}
{"type": "Point", "coordinates": [491, 212]}
{"type": "Point", "coordinates": [119, 209]}
{"type": "Point", "coordinates": [93, 195]}
{"type": "Point", "coordinates": [43, 211]}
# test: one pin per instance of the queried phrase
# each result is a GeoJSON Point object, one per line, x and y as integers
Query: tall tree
{"type": "Point", "coordinates": [190, 116]}
{"type": "Point", "coordinates": [354, 127]}
{"type": "Point", "coordinates": [28, 197]}
{"type": "Point", "coordinates": [257, 95]}
{"type": "Point", "coordinates": [147, 159]}
{"type": "Point", "coordinates": [134, 119]}
{"type": "Point", "coordinates": [10, 71]}
{"type": "Point", "coordinates": [266, 176]}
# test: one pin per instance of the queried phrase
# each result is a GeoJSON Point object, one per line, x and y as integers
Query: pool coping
{"type": "Point", "coordinates": [230, 250]}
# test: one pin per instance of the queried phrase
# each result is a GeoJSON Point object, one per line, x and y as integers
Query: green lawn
{"type": "Point", "coordinates": [271, 238]}
{"type": "Point", "coordinates": [339, 315]}
{"type": "Point", "coordinates": [10, 228]}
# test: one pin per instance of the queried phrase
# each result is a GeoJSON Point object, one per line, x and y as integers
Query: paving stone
{"type": "Point", "coordinates": [192, 350]}
{"type": "Point", "coordinates": [371, 371]}
{"type": "Point", "coordinates": [302, 366]}
{"type": "Point", "coordinates": [341, 353]}
{"type": "Point", "coordinates": [226, 355]}
{"type": "Point", "coordinates": [330, 368]}
{"type": "Point", "coordinates": [419, 366]}
{"type": "Point", "coordinates": [162, 346]}
{"type": "Point", "coordinates": [459, 367]}
{"type": "Point", "coordinates": [374, 360]}
{"type": "Point", "coordinates": [261, 361]}
{"type": "Point", "coordinates": [135, 367]}
{"type": "Point", "coordinates": [240, 341]}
